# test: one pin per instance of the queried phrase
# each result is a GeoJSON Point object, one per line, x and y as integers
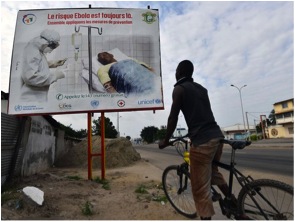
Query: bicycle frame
{"type": "Point", "coordinates": [233, 172]}
{"type": "Point", "coordinates": [183, 169]}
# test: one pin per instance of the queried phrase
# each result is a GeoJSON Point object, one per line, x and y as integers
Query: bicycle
{"type": "Point", "coordinates": [263, 199]}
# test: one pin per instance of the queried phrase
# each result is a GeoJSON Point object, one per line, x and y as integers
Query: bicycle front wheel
{"type": "Point", "coordinates": [177, 187]}
{"type": "Point", "coordinates": [267, 200]}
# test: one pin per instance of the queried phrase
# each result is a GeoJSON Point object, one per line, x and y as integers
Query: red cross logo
{"type": "Point", "coordinates": [121, 103]}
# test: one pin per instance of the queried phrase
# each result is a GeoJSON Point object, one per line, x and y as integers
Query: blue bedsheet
{"type": "Point", "coordinates": [130, 77]}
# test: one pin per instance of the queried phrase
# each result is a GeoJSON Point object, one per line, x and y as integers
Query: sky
{"type": "Point", "coordinates": [230, 43]}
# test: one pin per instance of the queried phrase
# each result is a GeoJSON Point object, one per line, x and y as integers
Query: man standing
{"type": "Point", "coordinates": [205, 135]}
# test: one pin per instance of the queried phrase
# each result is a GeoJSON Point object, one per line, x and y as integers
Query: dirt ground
{"type": "Point", "coordinates": [130, 192]}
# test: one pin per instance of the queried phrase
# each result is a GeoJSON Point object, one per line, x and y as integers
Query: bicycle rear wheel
{"type": "Point", "coordinates": [177, 187]}
{"type": "Point", "coordinates": [267, 200]}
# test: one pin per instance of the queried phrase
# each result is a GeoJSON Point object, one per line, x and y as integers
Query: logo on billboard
{"type": "Point", "coordinates": [121, 103]}
{"type": "Point", "coordinates": [149, 17]}
{"type": "Point", "coordinates": [148, 102]}
{"type": "Point", "coordinates": [59, 96]}
{"type": "Point", "coordinates": [18, 108]}
{"type": "Point", "coordinates": [29, 19]}
{"type": "Point", "coordinates": [158, 101]}
{"type": "Point", "coordinates": [64, 106]}
{"type": "Point", "coordinates": [94, 103]}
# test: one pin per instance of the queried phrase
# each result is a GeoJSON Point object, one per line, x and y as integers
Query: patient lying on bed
{"type": "Point", "coordinates": [127, 76]}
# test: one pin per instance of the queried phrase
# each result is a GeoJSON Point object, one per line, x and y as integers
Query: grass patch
{"type": "Point", "coordinates": [142, 189]}
{"type": "Point", "coordinates": [105, 183]}
{"type": "Point", "coordinates": [74, 177]}
{"type": "Point", "coordinates": [151, 191]}
{"type": "Point", "coordinates": [6, 196]}
{"type": "Point", "coordinates": [87, 209]}
{"type": "Point", "coordinates": [160, 198]}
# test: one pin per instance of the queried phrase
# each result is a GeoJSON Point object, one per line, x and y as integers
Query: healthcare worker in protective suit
{"type": "Point", "coordinates": [36, 75]}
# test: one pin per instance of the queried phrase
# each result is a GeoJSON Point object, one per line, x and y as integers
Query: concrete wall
{"type": "Point", "coordinates": [62, 145]}
{"type": "Point", "coordinates": [39, 145]}
{"type": "Point", "coordinates": [279, 131]}
{"type": "Point", "coordinates": [39, 153]}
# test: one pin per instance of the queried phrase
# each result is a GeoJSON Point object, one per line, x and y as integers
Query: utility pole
{"type": "Point", "coordinates": [240, 89]}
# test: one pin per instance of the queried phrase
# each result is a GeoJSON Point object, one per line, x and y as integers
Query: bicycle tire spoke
{"type": "Point", "coordinates": [267, 199]}
{"type": "Point", "coordinates": [181, 198]}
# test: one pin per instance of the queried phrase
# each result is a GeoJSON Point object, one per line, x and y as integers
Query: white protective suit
{"type": "Point", "coordinates": [36, 75]}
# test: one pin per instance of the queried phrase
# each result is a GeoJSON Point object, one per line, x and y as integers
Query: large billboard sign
{"type": "Point", "coordinates": [85, 60]}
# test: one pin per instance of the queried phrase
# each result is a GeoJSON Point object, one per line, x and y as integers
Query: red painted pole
{"type": "Point", "coordinates": [89, 146]}
{"type": "Point", "coordinates": [102, 125]}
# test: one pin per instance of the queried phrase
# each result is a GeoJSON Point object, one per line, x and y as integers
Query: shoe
{"type": "Point", "coordinates": [216, 197]}
{"type": "Point", "coordinates": [233, 203]}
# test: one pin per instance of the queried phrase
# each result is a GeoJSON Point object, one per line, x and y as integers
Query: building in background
{"type": "Point", "coordinates": [284, 114]}
{"type": "Point", "coordinates": [179, 132]}
{"type": "Point", "coordinates": [237, 131]}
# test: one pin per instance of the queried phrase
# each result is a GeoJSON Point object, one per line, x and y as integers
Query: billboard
{"type": "Point", "coordinates": [85, 60]}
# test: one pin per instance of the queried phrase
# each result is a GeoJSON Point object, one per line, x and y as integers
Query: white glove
{"type": "Point", "coordinates": [60, 62]}
{"type": "Point", "coordinates": [60, 73]}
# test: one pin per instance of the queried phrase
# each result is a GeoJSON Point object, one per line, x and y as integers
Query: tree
{"type": "Point", "coordinates": [70, 132]}
{"type": "Point", "coordinates": [110, 131]}
{"type": "Point", "coordinates": [272, 118]}
{"type": "Point", "coordinates": [162, 132]}
{"type": "Point", "coordinates": [149, 134]}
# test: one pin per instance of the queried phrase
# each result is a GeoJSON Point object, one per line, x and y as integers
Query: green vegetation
{"type": "Point", "coordinates": [70, 132]}
{"type": "Point", "coordinates": [151, 192]}
{"type": "Point", "coordinates": [110, 131]}
{"type": "Point", "coordinates": [74, 177]}
{"type": "Point", "coordinates": [105, 183]}
{"type": "Point", "coordinates": [141, 189]}
{"type": "Point", "coordinates": [87, 209]}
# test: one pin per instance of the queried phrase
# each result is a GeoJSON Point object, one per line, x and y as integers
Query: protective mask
{"type": "Point", "coordinates": [48, 50]}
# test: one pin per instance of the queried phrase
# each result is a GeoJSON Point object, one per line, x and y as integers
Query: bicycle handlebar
{"type": "Point", "coordinates": [235, 144]}
{"type": "Point", "coordinates": [178, 139]}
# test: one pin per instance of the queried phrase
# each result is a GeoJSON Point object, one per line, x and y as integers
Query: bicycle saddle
{"type": "Point", "coordinates": [236, 144]}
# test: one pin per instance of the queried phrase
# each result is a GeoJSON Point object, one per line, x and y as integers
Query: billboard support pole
{"type": "Point", "coordinates": [90, 154]}
{"type": "Point", "coordinates": [89, 146]}
{"type": "Point", "coordinates": [102, 130]}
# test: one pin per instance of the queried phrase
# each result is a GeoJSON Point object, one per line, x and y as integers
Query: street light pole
{"type": "Point", "coordinates": [240, 89]}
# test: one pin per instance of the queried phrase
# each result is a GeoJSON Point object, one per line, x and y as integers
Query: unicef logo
{"type": "Point", "coordinates": [29, 19]}
{"type": "Point", "coordinates": [18, 108]}
{"type": "Point", "coordinates": [94, 103]}
{"type": "Point", "coordinates": [157, 101]}
{"type": "Point", "coordinates": [59, 96]}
